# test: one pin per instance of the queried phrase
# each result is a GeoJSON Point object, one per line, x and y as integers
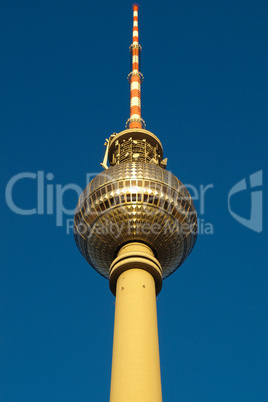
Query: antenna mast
{"type": "Point", "coordinates": [135, 78]}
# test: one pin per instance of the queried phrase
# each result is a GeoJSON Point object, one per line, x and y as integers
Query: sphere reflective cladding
{"type": "Point", "coordinates": [135, 202]}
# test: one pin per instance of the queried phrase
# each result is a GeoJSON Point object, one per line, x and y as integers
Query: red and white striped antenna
{"type": "Point", "coordinates": [135, 78]}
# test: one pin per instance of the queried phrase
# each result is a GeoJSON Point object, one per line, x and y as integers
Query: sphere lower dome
{"type": "Point", "coordinates": [135, 202]}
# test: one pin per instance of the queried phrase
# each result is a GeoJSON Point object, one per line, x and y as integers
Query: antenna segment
{"type": "Point", "coordinates": [135, 78]}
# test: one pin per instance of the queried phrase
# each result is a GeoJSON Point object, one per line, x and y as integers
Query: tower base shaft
{"type": "Point", "coordinates": [136, 363]}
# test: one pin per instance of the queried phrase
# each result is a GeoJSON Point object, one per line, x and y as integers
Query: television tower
{"type": "Point", "coordinates": [135, 224]}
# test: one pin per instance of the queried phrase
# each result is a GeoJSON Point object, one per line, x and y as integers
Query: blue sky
{"type": "Point", "coordinates": [63, 91]}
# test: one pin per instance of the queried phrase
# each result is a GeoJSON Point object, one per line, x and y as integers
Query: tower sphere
{"type": "Point", "coordinates": [135, 201]}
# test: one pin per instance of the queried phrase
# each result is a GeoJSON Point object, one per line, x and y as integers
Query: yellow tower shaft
{"type": "Point", "coordinates": [136, 364]}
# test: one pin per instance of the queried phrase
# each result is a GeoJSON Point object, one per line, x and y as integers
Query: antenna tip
{"type": "Point", "coordinates": [135, 6]}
